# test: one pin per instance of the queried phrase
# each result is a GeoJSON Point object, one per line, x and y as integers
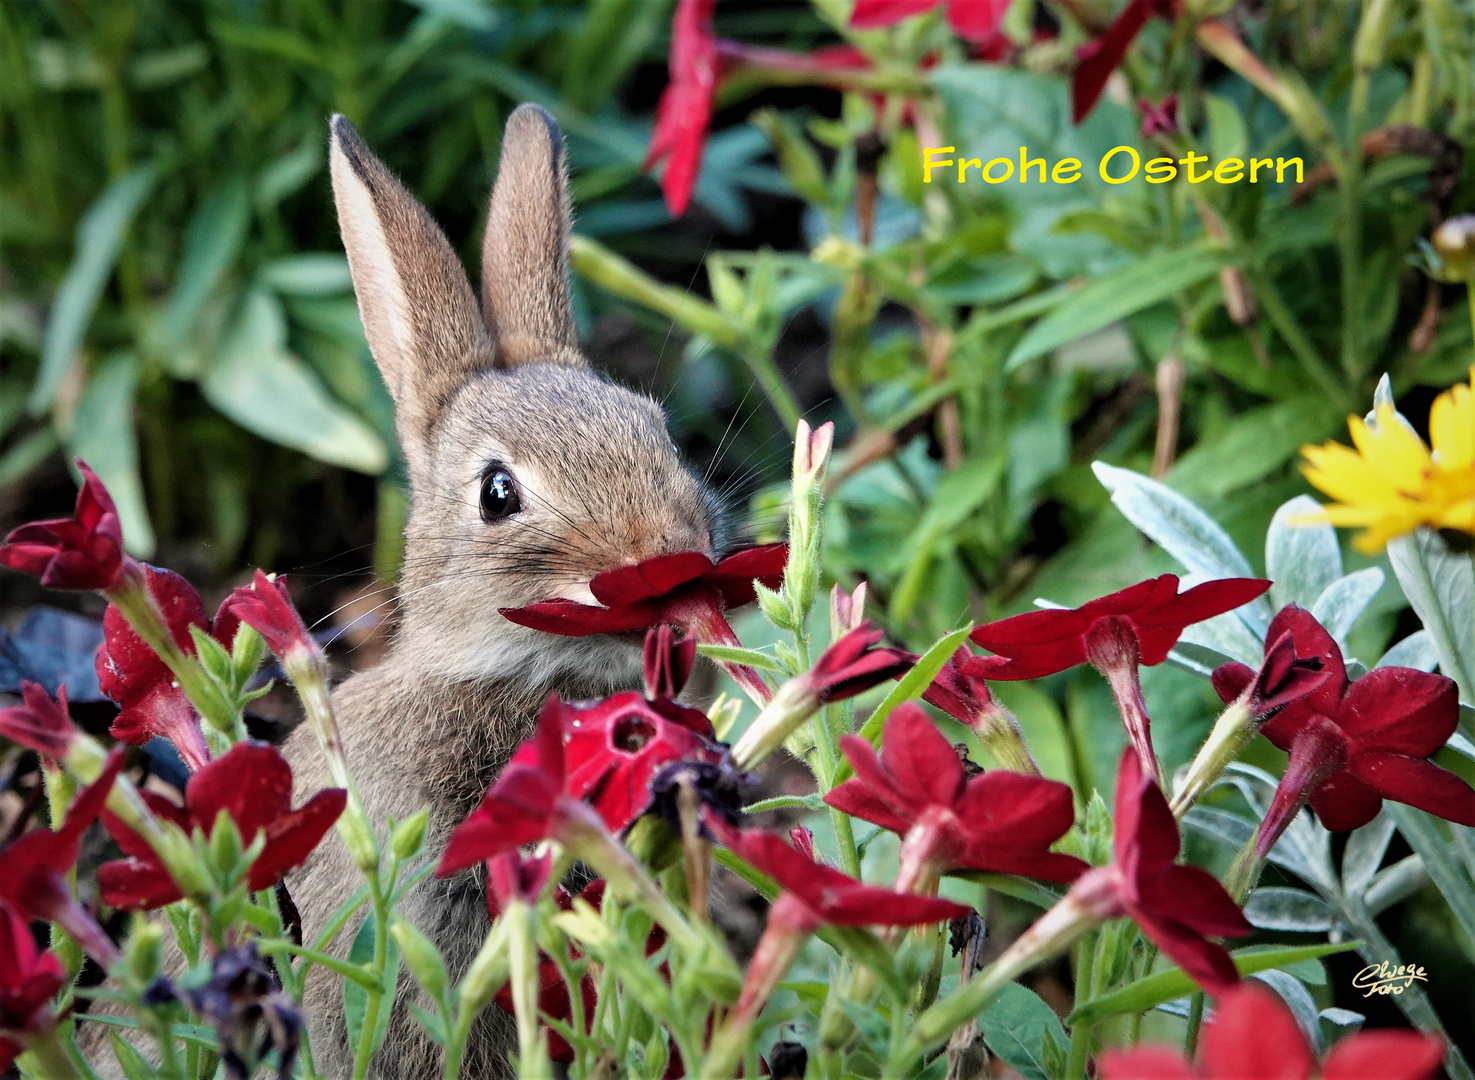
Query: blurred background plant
{"type": "Point", "coordinates": [174, 305]}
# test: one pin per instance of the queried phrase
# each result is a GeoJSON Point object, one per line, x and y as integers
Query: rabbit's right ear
{"type": "Point", "coordinates": [417, 307]}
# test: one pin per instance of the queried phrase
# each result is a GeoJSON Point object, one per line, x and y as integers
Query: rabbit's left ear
{"type": "Point", "coordinates": [524, 257]}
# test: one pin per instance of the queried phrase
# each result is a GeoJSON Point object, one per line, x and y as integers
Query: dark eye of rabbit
{"type": "Point", "coordinates": [498, 495]}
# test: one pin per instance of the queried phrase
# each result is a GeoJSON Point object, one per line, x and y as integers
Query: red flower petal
{"type": "Point", "coordinates": [685, 109]}
{"type": "Point", "coordinates": [1145, 1063]}
{"type": "Point", "coordinates": [976, 20]}
{"type": "Point", "coordinates": [1402, 710]}
{"type": "Point", "coordinates": [1231, 679]}
{"type": "Point", "coordinates": [129, 841]}
{"type": "Point", "coordinates": [252, 783]}
{"type": "Point", "coordinates": [733, 577]}
{"type": "Point", "coordinates": [1159, 627]}
{"type": "Point", "coordinates": [266, 606]}
{"type": "Point", "coordinates": [1096, 60]}
{"type": "Point", "coordinates": [1387, 1055]}
{"type": "Point", "coordinates": [1253, 1034]}
{"type": "Point", "coordinates": [870, 14]}
{"type": "Point", "coordinates": [1344, 803]}
{"type": "Point", "coordinates": [1208, 964]}
{"type": "Point", "coordinates": [136, 885]}
{"type": "Point", "coordinates": [1416, 782]}
{"type": "Point", "coordinates": [570, 618]}
{"type": "Point", "coordinates": [41, 724]}
{"type": "Point", "coordinates": [290, 839]}
{"type": "Point", "coordinates": [1146, 837]}
{"type": "Point", "coordinates": [652, 577]}
{"type": "Point", "coordinates": [84, 551]}
{"type": "Point", "coordinates": [1194, 898]}
{"type": "Point", "coordinates": [922, 762]}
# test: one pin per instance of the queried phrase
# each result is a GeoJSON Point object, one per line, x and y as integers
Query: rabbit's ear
{"type": "Point", "coordinates": [419, 312]}
{"type": "Point", "coordinates": [524, 258]}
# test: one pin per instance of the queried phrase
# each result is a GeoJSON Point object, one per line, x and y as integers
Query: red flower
{"type": "Point", "coordinates": [84, 551]}
{"type": "Point", "coordinates": [686, 590]}
{"type": "Point", "coordinates": [1159, 119]}
{"type": "Point", "coordinates": [1177, 907]}
{"type": "Point", "coordinates": [614, 748]}
{"type": "Point", "coordinates": [40, 724]}
{"type": "Point", "coordinates": [999, 821]}
{"type": "Point", "coordinates": [1253, 1036]}
{"type": "Point", "coordinates": [512, 876]}
{"type": "Point", "coordinates": [962, 696]}
{"type": "Point", "coordinates": [1097, 59]}
{"type": "Point", "coordinates": [522, 806]}
{"type": "Point", "coordinates": [854, 664]}
{"type": "Point", "coordinates": [253, 784]}
{"type": "Point", "coordinates": [819, 895]}
{"type": "Point", "coordinates": [29, 979]}
{"type": "Point", "coordinates": [132, 674]}
{"type": "Point", "coordinates": [684, 113]}
{"type": "Point", "coordinates": [1040, 643]}
{"type": "Point", "coordinates": [33, 870]}
{"type": "Point", "coordinates": [1138, 625]}
{"type": "Point", "coordinates": [667, 662]}
{"type": "Point", "coordinates": [972, 20]}
{"type": "Point", "coordinates": [1354, 744]}
{"type": "Point", "coordinates": [266, 606]}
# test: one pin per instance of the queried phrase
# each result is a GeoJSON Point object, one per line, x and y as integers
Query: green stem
{"type": "Point", "coordinates": [365, 1049]}
{"type": "Point", "coordinates": [1080, 1034]}
{"type": "Point", "coordinates": [1351, 231]}
{"type": "Point", "coordinates": [1195, 1022]}
{"type": "Point", "coordinates": [50, 1053]}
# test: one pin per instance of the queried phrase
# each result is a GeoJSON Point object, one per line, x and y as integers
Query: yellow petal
{"type": "Point", "coordinates": [1344, 475]}
{"type": "Point", "coordinates": [1452, 427]}
{"type": "Point", "coordinates": [1392, 449]}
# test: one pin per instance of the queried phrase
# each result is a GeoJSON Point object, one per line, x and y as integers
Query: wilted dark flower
{"type": "Point", "coordinates": [244, 1002]}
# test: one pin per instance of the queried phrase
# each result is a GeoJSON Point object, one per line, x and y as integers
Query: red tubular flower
{"type": "Point", "coordinates": [512, 876]}
{"type": "Point", "coordinates": [1177, 907]}
{"type": "Point", "coordinates": [84, 551]}
{"type": "Point", "coordinates": [132, 674]}
{"type": "Point", "coordinates": [266, 606]}
{"type": "Point", "coordinates": [686, 590]}
{"type": "Point", "coordinates": [684, 113]}
{"type": "Point", "coordinates": [1138, 625]}
{"type": "Point", "coordinates": [613, 750]}
{"type": "Point", "coordinates": [1002, 822]}
{"type": "Point", "coordinates": [40, 724]}
{"type": "Point", "coordinates": [253, 784]}
{"type": "Point", "coordinates": [1354, 744]}
{"type": "Point", "coordinates": [29, 979]}
{"type": "Point", "coordinates": [1161, 119]}
{"type": "Point", "coordinates": [1253, 1036]}
{"type": "Point", "coordinates": [1097, 59]}
{"type": "Point", "coordinates": [854, 664]}
{"type": "Point", "coordinates": [972, 20]}
{"type": "Point", "coordinates": [667, 662]}
{"type": "Point", "coordinates": [966, 699]}
{"type": "Point", "coordinates": [33, 870]}
{"type": "Point", "coordinates": [522, 806]}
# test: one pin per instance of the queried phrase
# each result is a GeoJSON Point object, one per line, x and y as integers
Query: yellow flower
{"type": "Point", "coordinates": [1391, 483]}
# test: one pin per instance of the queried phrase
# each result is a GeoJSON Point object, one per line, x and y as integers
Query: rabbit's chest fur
{"type": "Point", "coordinates": [413, 741]}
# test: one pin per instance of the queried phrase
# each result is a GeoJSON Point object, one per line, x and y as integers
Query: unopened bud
{"type": "Point", "coordinates": [1455, 242]}
{"type": "Point", "coordinates": [488, 971]}
{"type": "Point", "coordinates": [145, 950]}
{"type": "Point", "coordinates": [421, 957]}
{"type": "Point", "coordinates": [409, 835]}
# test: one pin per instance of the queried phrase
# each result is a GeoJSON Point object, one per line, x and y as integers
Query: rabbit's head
{"type": "Point", "coordinates": [529, 472]}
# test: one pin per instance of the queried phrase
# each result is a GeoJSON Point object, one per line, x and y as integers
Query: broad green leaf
{"type": "Point", "coordinates": [1301, 560]}
{"type": "Point", "coordinates": [1364, 853]}
{"type": "Point", "coordinates": [1415, 651]}
{"type": "Point", "coordinates": [356, 998]}
{"type": "Point", "coordinates": [1441, 587]}
{"type": "Point", "coordinates": [212, 241]}
{"type": "Point", "coordinates": [1340, 604]}
{"type": "Point", "coordinates": [99, 240]}
{"type": "Point", "coordinates": [1253, 445]}
{"type": "Point", "coordinates": [102, 435]}
{"type": "Point", "coordinates": [308, 274]}
{"type": "Point", "coordinates": [129, 1060]}
{"type": "Point", "coordinates": [1116, 295]}
{"type": "Point", "coordinates": [1183, 531]}
{"type": "Point", "coordinates": [909, 687]}
{"type": "Point", "coordinates": [957, 495]}
{"type": "Point", "coordinates": [1272, 907]}
{"type": "Point", "coordinates": [1152, 991]}
{"type": "Point", "coordinates": [1228, 136]}
{"type": "Point", "coordinates": [267, 390]}
{"type": "Point", "coordinates": [1015, 1025]}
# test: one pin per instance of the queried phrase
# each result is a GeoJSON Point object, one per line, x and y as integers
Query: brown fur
{"type": "Point", "coordinates": [600, 485]}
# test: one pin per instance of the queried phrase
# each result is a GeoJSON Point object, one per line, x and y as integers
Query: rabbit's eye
{"type": "Point", "coordinates": [498, 495]}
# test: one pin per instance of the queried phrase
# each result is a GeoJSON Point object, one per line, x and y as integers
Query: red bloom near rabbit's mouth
{"type": "Point", "coordinates": [686, 590]}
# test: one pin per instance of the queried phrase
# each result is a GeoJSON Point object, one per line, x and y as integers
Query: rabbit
{"type": "Point", "coordinates": [529, 474]}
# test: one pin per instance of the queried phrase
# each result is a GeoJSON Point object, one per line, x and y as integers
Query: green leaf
{"type": "Point", "coordinates": [958, 494]}
{"type": "Point", "coordinates": [26, 454]}
{"type": "Point", "coordinates": [99, 240]}
{"type": "Point", "coordinates": [909, 687]}
{"type": "Point", "coordinates": [785, 802]}
{"type": "Point", "coordinates": [1441, 587]}
{"type": "Point", "coordinates": [102, 435]}
{"type": "Point", "coordinates": [356, 997]}
{"type": "Point", "coordinates": [1152, 991]}
{"type": "Point", "coordinates": [308, 274]}
{"type": "Point", "coordinates": [211, 243]}
{"type": "Point", "coordinates": [1228, 136]}
{"type": "Point", "coordinates": [1116, 295]}
{"type": "Point", "coordinates": [1341, 602]}
{"type": "Point", "coordinates": [129, 1060]}
{"type": "Point", "coordinates": [267, 390]}
{"type": "Point", "coordinates": [734, 655]}
{"type": "Point", "coordinates": [1016, 1023]}
{"type": "Point", "coordinates": [1253, 445]}
{"type": "Point", "coordinates": [1302, 560]}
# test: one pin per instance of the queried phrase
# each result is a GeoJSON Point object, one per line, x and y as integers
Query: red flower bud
{"type": "Point", "coordinates": [40, 724]}
{"type": "Point", "coordinates": [84, 551]}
